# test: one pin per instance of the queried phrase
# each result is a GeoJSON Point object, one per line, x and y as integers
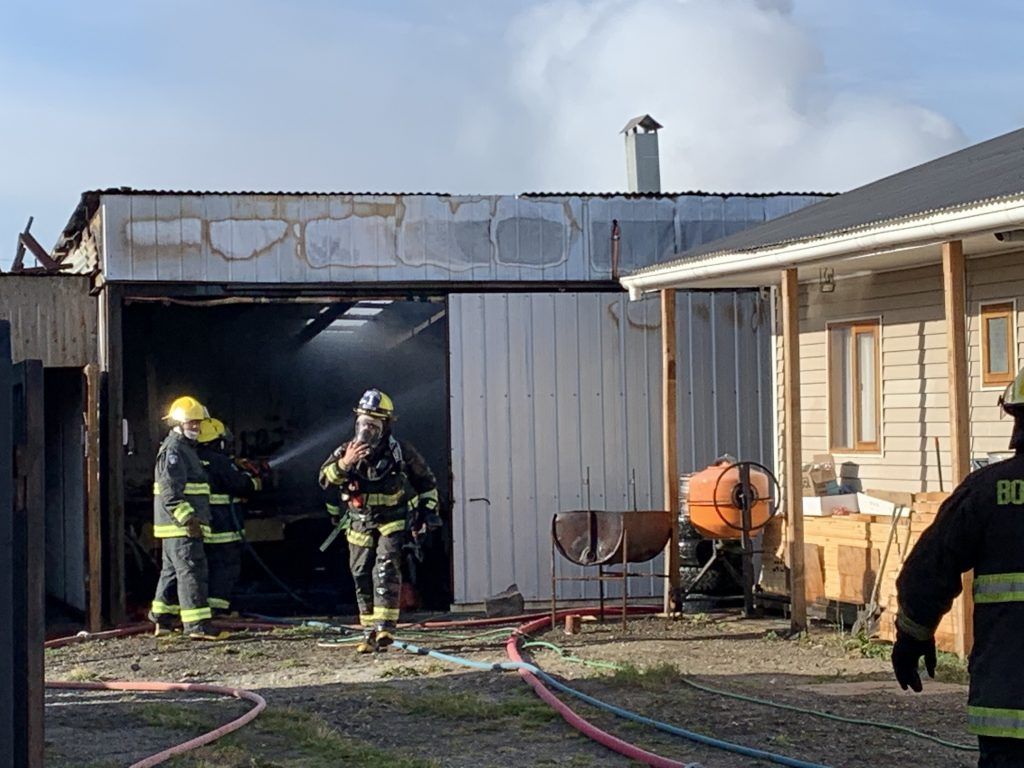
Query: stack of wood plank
{"type": "Point", "coordinates": [843, 559]}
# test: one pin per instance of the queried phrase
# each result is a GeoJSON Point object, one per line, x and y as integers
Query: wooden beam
{"type": "Point", "coordinates": [955, 296]}
{"type": "Point", "coordinates": [792, 452]}
{"type": "Point", "coordinates": [112, 454]}
{"type": "Point", "coordinates": [39, 252]}
{"type": "Point", "coordinates": [670, 441]}
{"type": "Point", "coordinates": [93, 524]}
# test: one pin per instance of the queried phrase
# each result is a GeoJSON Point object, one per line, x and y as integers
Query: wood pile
{"type": "Point", "coordinates": [843, 558]}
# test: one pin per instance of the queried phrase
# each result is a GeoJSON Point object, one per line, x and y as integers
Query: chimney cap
{"type": "Point", "coordinates": [646, 122]}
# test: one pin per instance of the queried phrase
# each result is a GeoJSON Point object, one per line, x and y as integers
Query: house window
{"type": "Point", "coordinates": [999, 361]}
{"type": "Point", "coordinates": [854, 403]}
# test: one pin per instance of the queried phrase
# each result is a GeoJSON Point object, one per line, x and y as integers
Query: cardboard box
{"type": "Point", "coordinates": [826, 506]}
{"type": "Point", "coordinates": [871, 505]}
{"type": "Point", "coordinates": [817, 476]}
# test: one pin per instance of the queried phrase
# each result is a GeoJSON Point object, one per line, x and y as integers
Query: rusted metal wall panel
{"type": "Point", "coordinates": [309, 238]}
{"type": "Point", "coordinates": [53, 318]}
{"type": "Point", "coordinates": [546, 386]}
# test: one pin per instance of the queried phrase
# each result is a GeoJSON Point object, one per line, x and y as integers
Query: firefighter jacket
{"type": "Point", "coordinates": [180, 488]}
{"type": "Point", "coordinates": [228, 484]}
{"type": "Point", "coordinates": [980, 526]}
{"type": "Point", "coordinates": [384, 488]}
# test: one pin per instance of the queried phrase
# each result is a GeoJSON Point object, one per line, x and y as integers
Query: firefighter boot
{"type": "Point", "coordinates": [204, 631]}
{"type": "Point", "coordinates": [162, 624]}
{"type": "Point", "coordinates": [369, 642]}
{"type": "Point", "coordinates": [385, 635]}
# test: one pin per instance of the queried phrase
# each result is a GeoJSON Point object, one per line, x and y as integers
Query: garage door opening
{"type": "Point", "coordinates": [284, 378]}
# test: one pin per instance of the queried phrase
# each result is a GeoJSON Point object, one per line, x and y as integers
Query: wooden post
{"type": "Point", "coordinates": [792, 457]}
{"type": "Point", "coordinates": [670, 441]}
{"type": "Point", "coordinates": [959, 425]}
{"type": "Point", "coordinates": [112, 462]}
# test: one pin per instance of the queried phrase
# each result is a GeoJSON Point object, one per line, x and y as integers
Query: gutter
{"type": "Point", "coordinates": [937, 228]}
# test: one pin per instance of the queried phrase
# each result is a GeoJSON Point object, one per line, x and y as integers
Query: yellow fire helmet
{"type": "Point", "coordinates": [376, 404]}
{"type": "Point", "coordinates": [1012, 399]}
{"type": "Point", "coordinates": [186, 408]}
{"type": "Point", "coordinates": [211, 429]}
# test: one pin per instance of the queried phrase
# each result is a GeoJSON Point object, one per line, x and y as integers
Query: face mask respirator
{"type": "Point", "coordinates": [369, 431]}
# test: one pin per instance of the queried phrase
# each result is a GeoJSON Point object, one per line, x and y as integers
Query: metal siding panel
{"type": "Point", "coordinates": [501, 531]}
{"type": "Point", "coordinates": [217, 208]}
{"type": "Point", "coordinates": [544, 354]}
{"type": "Point", "coordinates": [527, 517]}
{"type": "Point", "coordinates": [456, 366]}
{"type": "Point", "coordinates": [570, 469]}
{"type": "Point", "coordinates": [140, 230]}
{"type": "Point", "coordinates": [702, 410]}
{"type": "Point", "coordinates": [723, 340]}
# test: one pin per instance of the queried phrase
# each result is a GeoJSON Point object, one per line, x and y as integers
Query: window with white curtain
{"type": "Point", "coordinates": [854, 382]}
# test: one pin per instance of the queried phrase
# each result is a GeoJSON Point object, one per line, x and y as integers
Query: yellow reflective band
{"type": "Point", "coordinates": [257, 484]}
{"type": "Point", "coordinates": [205, 463]}
{"type": "Point", "coordinates": [156, 489]}
{"type": "Point", "coordinates": [385, 499]}
{"type": "Point", "coordinates": [385, 614]}
{"type": "Point", "coordinates": [333, 509]}
{"type": "Point", "coordinates": [237, 499]}
{"type": "Point", "coordinates": [197, 489]}
{"type": "Point", "coordinates": [219, 498]}
{"type": "Point", "coordinates": [218, 603]}
{"type": "Point", "coordinates": [158, 607]}
{"type": "Point", "coordinates": [366, 619]}
{"type": "Point", "coordinates": [359, 539]}
{"type": "Point", "coordinates": [999, 588]}
{"type": "Point", "coordinates": [912, 628]}
{"type": "Point", "coordinates": [429, 499]}
{"type": "Point", "coordinates": [394, 527]}
{"type": "Point", "coordinates": [183, 512]}
{"type": "Point", "coordinates": [192, 615]}
{"type": "Point", "coordinates": [222, 537]}
{"type": "Point", "coordinates": [1001, 723]}
{"type": "Point", "coordinates": [333, 474]}
{"type": "Point", "coordinates": [172, 531]}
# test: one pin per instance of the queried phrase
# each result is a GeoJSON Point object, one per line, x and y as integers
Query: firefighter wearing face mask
{"type": "Point", "coordinates": [980, 527]}
{"type": "Point", "coordinates": [229, 486]}
{"type": "Point", "coordinates": [181, 517]}
{"type": "Point", "coordinates": [386, 489]}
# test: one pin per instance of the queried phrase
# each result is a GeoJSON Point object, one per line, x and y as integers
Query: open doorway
{"type": "Point", "coordinates": [284, 378]}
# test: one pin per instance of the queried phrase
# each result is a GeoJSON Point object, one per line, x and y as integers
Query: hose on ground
{"type": "Point", "coordinates": [161, 687]}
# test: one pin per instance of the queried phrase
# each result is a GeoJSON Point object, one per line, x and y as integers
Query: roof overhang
{"type": "Point", "coordinates": [898, 244]}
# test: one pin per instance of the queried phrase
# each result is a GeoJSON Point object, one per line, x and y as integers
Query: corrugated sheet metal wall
{"type": "Point", "coordinates": [271, 238]}
{"type": "Point", "coordinates": [546, 386]}
{"type": "Point", "coordinates": [53, 318]}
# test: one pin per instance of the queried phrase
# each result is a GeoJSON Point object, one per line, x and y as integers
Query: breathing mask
{"type": "Point", "coordinates": [369, 430]}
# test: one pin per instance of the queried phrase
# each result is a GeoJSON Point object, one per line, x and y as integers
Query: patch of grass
{"type": "Point", "coordinates": [949, 668]}
{"type": "Point", "coordinates": [780, 740]}
{"type": "Point", "coordinates": [521, 709]}
{"type": "Point", "coordinates": [172, 716]}
{"type": "Point", "coordinates": [656, 676]}
{"type": "Point", "coordinates": [311, 735]}
{"type": "Point", "coordinates": [80, 675]}
{"type": "Point", "coordinates": [400, 671]}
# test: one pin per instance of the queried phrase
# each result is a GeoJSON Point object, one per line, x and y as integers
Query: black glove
{"type": "Point", "coordinates": [906, 653]}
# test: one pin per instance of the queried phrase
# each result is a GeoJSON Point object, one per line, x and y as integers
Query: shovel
{"type": "Point", "coordinates": [867, 619]}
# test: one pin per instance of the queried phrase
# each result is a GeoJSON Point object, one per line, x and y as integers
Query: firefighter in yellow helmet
{"type": "Point", "coordinates": [980, 527]}
{"type": "Point", "coordinates": [181, 516]}
{"type": "Point", "coordinates": [229, 487]}
{"type": "Point", "coordinates": [386, 491]}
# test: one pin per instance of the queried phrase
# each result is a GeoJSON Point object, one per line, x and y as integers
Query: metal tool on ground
{"type": "Point", "coordinates": [867, 619]}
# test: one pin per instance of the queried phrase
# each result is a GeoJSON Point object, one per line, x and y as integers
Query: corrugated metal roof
{"type": "Point", "coordinates": [676, 195]}
{"type": "Point", "coordinates": [984, 173]}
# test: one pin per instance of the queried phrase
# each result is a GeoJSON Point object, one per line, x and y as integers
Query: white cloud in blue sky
{"type": "Point", "coordinates": [472, 97]}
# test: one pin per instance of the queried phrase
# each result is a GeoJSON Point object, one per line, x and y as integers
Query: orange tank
{"type": "Point", "coordinates": [714, 513]}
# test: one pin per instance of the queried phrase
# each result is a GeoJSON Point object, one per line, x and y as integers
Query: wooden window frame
{"type": "Point", "coordinates": [986, 312]}
{"type": "Point", "coordinates": [871, 325]}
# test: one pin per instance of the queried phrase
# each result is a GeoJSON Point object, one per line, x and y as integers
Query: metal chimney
{"type": "Point", "coordinates": [642, 167]}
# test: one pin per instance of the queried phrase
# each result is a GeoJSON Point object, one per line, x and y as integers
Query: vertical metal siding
{"type": "Point", "coordinates": [53, 318]}
{"type": "Point", "coordinates": [548, 385]}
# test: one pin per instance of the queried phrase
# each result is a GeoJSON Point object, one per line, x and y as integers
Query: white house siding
{"type": "Point", "coordinates": [990, 281]}
{"type": "Point", "coordinates": [915, 392]}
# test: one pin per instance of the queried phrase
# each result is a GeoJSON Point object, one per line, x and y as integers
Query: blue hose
{"type": "Point", "coordinates": [619, 711]}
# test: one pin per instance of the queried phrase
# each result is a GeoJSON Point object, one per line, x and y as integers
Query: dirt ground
{"type": "Point", "coordinates": [330, 706]}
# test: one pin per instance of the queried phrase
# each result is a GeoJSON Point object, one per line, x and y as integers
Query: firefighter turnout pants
{"type": "Point", "coordinates": [225, 565]}
{"type": "Point", "coordinates": [181, 589]}
{"type": "Point", "coordinates": [375, 560]}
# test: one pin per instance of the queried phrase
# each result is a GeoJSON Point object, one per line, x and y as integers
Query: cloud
{"type": "Point", "coordinates": [738, 84]}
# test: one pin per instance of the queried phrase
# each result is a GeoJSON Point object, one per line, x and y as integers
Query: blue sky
{"type": "Point", "coordinates": [488, 97]}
